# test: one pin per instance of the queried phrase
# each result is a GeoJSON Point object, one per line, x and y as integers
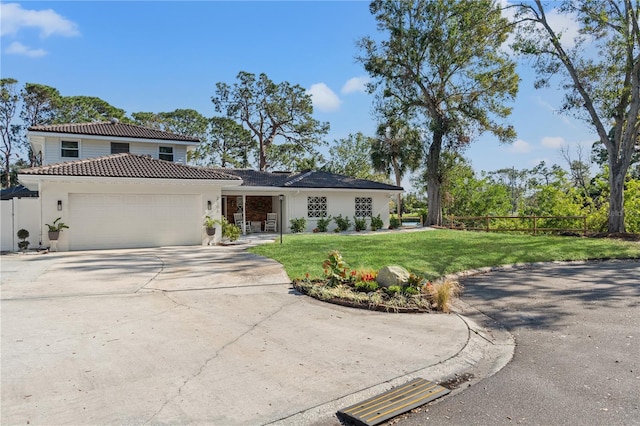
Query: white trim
{"type": "Point", "coordinates": [33, 179]}
{"type": "Point", "coordinates": [111, 138]}
{"type": "Point", "coordinates": [264, 190]}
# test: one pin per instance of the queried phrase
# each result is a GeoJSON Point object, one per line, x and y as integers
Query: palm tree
{"type": "Point", "coordinates": [397, 148]}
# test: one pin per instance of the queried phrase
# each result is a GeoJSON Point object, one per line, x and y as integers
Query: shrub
{"type": "Point", "coordinates": [23, 234]}
{"type": "Point", "coordinates": [440, 294]}
{"type": "Point", "coordinates": [422, 213]}
{"type": "Point", "coordinates": [366, 286]}
{"type": "Point", "coordinates": [298, 225]}
{"type": "Point", "coordinates": [376, 223]}
{"type": "Point", "coordinates": [323, 224]}
{"type": "Point", "coordinates": [360, 224]}
{"type": "Point", "coordinates": [392, 290]}
{"type": "Point", "coordinates": [343, 223]}
{"type": "Point", "coordinates": [335, 269]}
{"type": "Point", "coordinates": [410, 290]}
{"type": "Point", "coordinates": [229, 230]}
{"type": "Point", "coordinates": [394, 223]}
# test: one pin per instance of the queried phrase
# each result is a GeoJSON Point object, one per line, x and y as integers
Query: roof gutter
{"type": "Point", "coordinates": [32, 181]}
{"type": "Point", "coordinates": [110, 138]}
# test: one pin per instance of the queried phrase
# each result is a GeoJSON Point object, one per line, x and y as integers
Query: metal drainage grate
{"type": "Point", "coordinates": [393, 402]}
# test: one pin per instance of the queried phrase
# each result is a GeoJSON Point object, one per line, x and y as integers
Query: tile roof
{"type": "Point", "coordinates": [322, 179]}
{"type": "Point", "coordinates": [258, 178]}
{"type": "Point", "coordinates": [128, 165]}
{"type": "Point", "coordinates": [114, 130]}
{"type": "Point", "coordinates": [308, 179]}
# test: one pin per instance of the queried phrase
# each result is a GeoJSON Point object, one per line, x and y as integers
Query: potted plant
{"type": "Point", "coordinates": [210, 226]}
{"type": "Point", "coordinates": [23, 234]}
{"type": "Point", "coordinates": [55, 228]}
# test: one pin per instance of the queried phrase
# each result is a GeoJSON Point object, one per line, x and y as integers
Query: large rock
{"type": "Point", "coordinates": [392, 275]}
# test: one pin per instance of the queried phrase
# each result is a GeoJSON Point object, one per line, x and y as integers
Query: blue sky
{"type": "Point", "coordinates": [159, 56]}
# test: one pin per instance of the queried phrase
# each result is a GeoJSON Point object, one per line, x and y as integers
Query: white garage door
{"type": "Point", "coordinates": [99, 221]}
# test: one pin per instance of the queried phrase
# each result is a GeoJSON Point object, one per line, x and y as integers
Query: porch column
{"type": "Point", "coordinates": [244, 214]}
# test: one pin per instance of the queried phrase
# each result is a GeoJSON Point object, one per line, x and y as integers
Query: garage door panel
{"type": "Point", "coordinates": [133, 220]}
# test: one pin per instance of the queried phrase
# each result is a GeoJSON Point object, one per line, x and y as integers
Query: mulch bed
{"type": "Point", "coordinates": [353, 304]}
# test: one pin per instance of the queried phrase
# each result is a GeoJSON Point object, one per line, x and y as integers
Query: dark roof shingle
{"type": "Point", "coordinates": [128, 165]}
{"type": "Point", "coordinates": [308, 179]}
{"type": "Point", "coordinates": [114, 130]}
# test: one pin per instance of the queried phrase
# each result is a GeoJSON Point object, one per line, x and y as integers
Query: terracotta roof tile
{"type": "Point", "coordinates": [128, 165]}
{"type": "Point", "coordinates": [112, 129]}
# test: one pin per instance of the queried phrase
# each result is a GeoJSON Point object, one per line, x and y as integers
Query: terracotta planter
{"type": "Point", "coordinates": [54, 235]}
{"type": "Point", "coordinates": [211, 232]}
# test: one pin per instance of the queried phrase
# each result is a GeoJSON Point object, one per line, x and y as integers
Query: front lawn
{"type": "Point", "coordinates": [432, 254]}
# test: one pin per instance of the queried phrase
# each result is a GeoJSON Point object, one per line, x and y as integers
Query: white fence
{"type": "Point", "coordinates": [16, 214]}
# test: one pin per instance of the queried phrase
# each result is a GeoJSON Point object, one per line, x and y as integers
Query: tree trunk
{"type": "Point", "coordinates": [617, 174]}
{"type": "Point", "coordinates": [398, 175]}
{"type": "Point", "coordinates": [263, 156]}
{"type": "Point", "coordinates": [7, 163]}
{"type": "Point", "coordinates": [434, 213]}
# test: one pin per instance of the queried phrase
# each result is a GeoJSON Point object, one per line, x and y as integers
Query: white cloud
{"type": "Point", "coordinates": [552, 142]}
{"type": "Point", "coordinates": [355, 84]}
{"type": "Point", "coordinates": [520, 147]}
{"type": "Point", "coordinates": [566, 25]}
{"type": "Point", "coordinates": [14, 18]}
{"type": "Point", "coordinates": [17, 48]}
{"type": "Point", "coordinates": [324, 99]}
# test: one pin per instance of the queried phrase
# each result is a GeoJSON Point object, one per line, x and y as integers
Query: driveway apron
{"type": "Point", "coordinates": [198, 335]}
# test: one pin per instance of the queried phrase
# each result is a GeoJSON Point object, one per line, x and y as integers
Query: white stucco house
{"type": "Point", "coordinates": [118, 185]}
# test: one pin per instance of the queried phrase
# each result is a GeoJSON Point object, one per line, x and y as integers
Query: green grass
{"type": "Point", "coordinates": [433, 254]}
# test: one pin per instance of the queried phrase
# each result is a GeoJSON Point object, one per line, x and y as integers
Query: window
{"type": "Point", "coordinates": [70, 149]}
{"type": "Point", "coordinates": [364, 206]}
{"type": "Point", "coordinates": [166, 153]}
{"type": "Point", "coordinates": [317, 206]}
{"type": "Point", "coordinates": [119, 147]}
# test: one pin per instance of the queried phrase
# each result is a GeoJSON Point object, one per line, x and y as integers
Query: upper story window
{"type": "Point", "coordinates": [119, 147]}
{"type": "Point", "coordinates": [70, 149]}
{"type": "Point", "coordinates": [364, 206]}
{"type": "Point", "coordinates": [166, 153]}
{"type": "Point", "coordinates": [316, 206]}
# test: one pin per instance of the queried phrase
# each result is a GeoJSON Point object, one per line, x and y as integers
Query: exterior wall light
{"type": "Point", "coordinates": [209, 205]}
{"type": "Point", "coordinates": [59, 205]}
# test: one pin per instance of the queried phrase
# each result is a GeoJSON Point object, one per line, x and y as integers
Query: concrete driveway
{"type": "Point", "coordinates": [199, 335]}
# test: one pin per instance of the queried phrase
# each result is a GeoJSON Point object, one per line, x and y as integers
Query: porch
{"type": "Point", "coordinates": [254, 210]}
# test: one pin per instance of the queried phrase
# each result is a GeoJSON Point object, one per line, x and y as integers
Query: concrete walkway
{"type": "Point", "coordinates": [206, 335]}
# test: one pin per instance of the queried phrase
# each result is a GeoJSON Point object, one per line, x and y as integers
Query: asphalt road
{"type": "Point", "coordinates": [577, 358]}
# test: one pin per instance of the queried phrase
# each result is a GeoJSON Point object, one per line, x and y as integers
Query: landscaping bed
{"type": "Point", "coordinates": [391, 289]}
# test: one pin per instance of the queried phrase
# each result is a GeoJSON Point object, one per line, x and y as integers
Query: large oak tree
{"type": "Point", "coordinates": [601, 70]}
{"type": "Point", "coordinates": [442, 60]}
{"type": "Point", "coordinates": [279, 116]}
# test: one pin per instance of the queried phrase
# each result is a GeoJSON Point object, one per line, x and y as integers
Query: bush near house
{"type": "Point", "coordinates": [323, 224]}
{"type": "Point", "coordinates": [342, 223]}
{"type": "Point", "coordinates": [298, 225]}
